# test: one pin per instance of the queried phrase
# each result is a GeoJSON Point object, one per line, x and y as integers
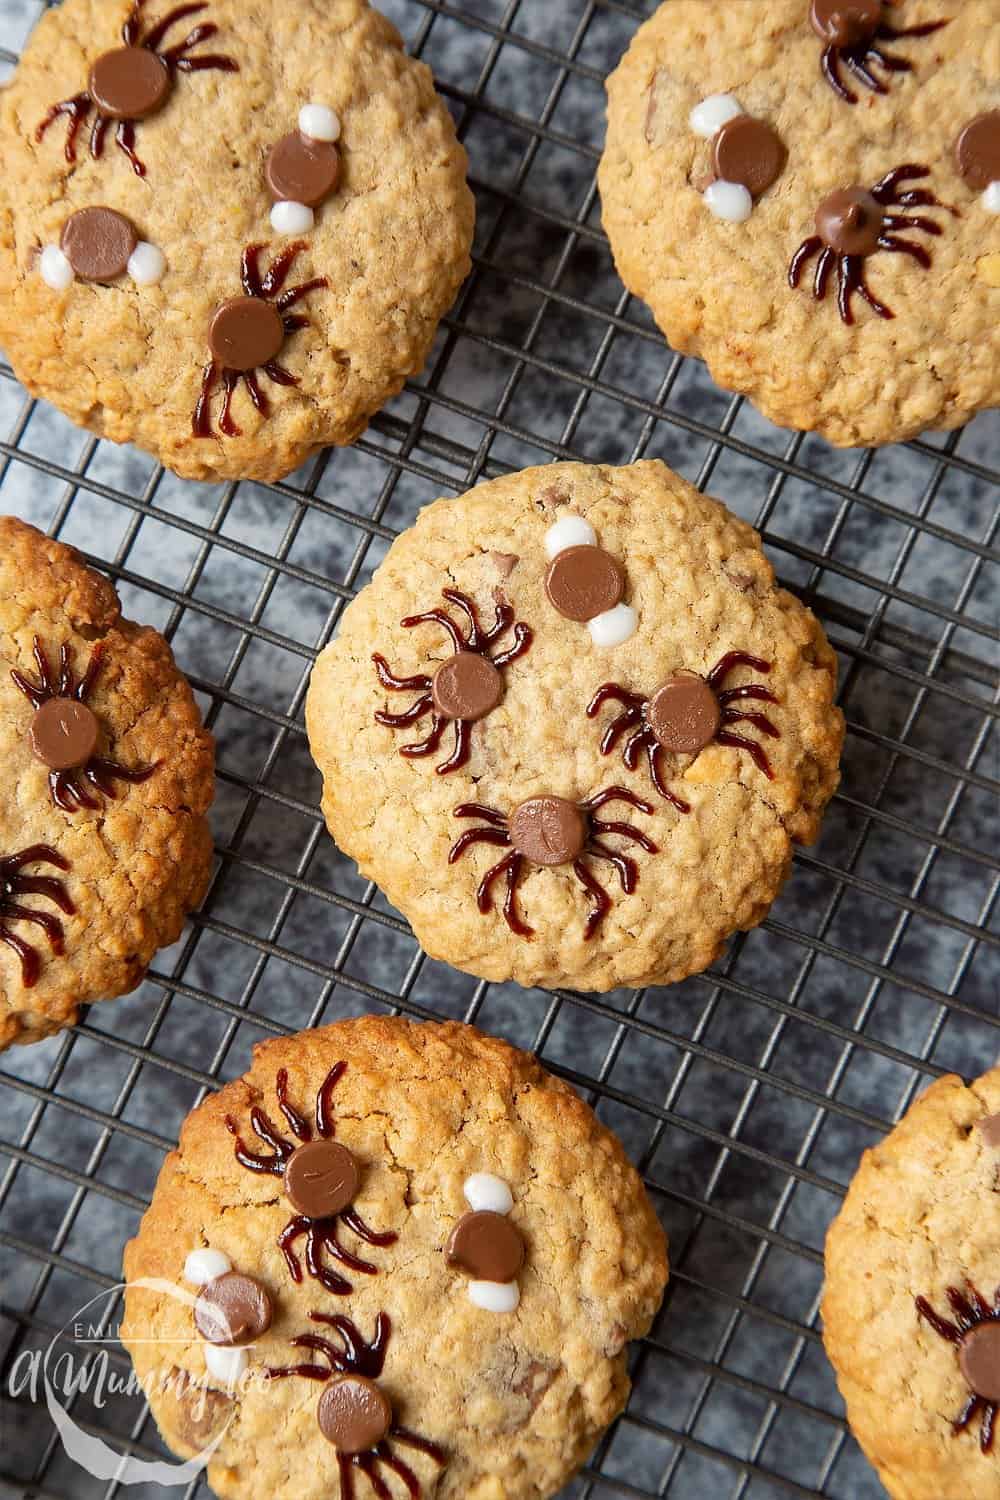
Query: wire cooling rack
{"type": "Point", "coordinates": [744, 1095]}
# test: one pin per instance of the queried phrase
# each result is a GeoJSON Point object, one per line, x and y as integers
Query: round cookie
{"type": "Point", "coordinates": [479, 1388]}
{"type": "Point", "coordinates": [104, 844]}
{"type": "Point", "coordinates": [591, 830]}
{"type": "Point", "coordinates": [912, 1309]}
{"type": "Point", "coordinates": [330, 302]}
{"type": "Point", "coordinates": [714, 255]}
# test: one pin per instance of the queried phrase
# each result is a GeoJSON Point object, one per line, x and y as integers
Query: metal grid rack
{"type": "Point", "coordinates": [745, 1095]}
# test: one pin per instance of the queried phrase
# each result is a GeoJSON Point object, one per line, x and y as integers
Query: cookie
{"type": "Point", "coordinates": [227, 238]}
{"type": "Point", "coordinates": [405, 1249]}
{"type": "Point", "coordinates": [912, 1308]}
{"type": "Point", "coordinates": [104, 844]}
{"type": "Point", "coordinates": [806, 195]}
{"type": "Point", "coordinates": [573, 729]}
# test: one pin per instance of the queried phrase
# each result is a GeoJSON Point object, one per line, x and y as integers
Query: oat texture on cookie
{"type": "Point", "coordinates": [561, 876]}
{"type": "Point", "coordinates": [104, 843]}
{"type": "Point", "coordinates": [426, 1382]}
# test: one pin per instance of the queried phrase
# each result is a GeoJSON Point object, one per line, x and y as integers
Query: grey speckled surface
{"type": "Point", "coordinates": [899, 578]}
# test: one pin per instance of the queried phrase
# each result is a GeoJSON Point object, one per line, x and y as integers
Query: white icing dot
{"type": "Point", "coordinates": [488, 1194]}
{"type": "Point", "coordinates": [991, 198]}
{"type": "Point", "coordinates": [730, 201]}
{"type": "Point", "coordinates": [55, 269]}
{"type": "Point", "coordinates": [569, 531]}
{"type": "Point", "coordinates": [614, 626]}
{"type": "Point", "coordinates": [147, 264]}
{"type": "Point", "coordinates": [708, 117]}
{"type": "Point", "coordinates": [319, 122]}
{"type": "Point", "coordinates": [226, 1364]}
{"type": "Point", "coordinates": [495, 1296]}
{"type": "Point", "coordinates": [292, 218]}
{"type": "Point", "coordinates": [203, 1266]}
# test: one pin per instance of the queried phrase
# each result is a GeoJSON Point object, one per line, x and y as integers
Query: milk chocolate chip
{"type": "Point", "coordinates": [300, 170]}
{"type": "Point", "coordinates": [129, 83]}
{"type": "Point", "coordinates": [750, 152]}
{"type": "Point", "coordinates": [246, 332]}
{"type": "Point", "coordinates": [353, 1414]}
{"type": "Point", "coordinates": [548, 830]}
{"type": "Point", "coordinates": [98, 243]}
{"type": "Point", "coordinates": [233, 1309]}
{"type": "Point", "coordinates": [850, 221]}
{"type": "Point", "coordinates": [845, 23]}
{"type": "Point", "coordinates": [322, 1179]}
{"type": "Point", "coordinates": [487, 1247]}
{"type": "Point", "coordinates": [989, 1129]}
{"type": "Point", "coordinates": [979, 1358]}
{"type": "Point", "coordinates": [583, 582]}
{"type": "Point", "coordinates": [684, 714]}
{"type": "Point", "coordinates": [64, 734]}
{"type": "Point", "coordinates": [978, 150]}
{"type": "Point", "coordinates": [467, 686]}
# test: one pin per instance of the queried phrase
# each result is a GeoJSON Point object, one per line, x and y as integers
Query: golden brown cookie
{"type": "Point", "coordinates": [912, 1307]}
{"type": "Point", "coordinates": [391, 1350]}
{"type": "Point", "coordinates": [104, 844]}
{"type": "Point", "coordinates": [795, 190]}
{"type": "Point", "coordinates": [573, 728]}
{"type": "Point", "coordinates": [227, 238]}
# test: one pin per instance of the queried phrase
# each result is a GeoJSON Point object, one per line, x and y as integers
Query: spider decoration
{"type": "Point", "coordinates": [13, 885]}
{"type": "Point", "coordinates": [976, 1333]}
{"type": "Point", "coordinates": [247, 333]}
{"type": "Point", "coordinates": [851, 30]}
{"type": "Point", "coordinates": [134, 81]}
{"type": "Point", "coordinates": [550, 831]}
{"type": "Point", "coordinates": [852, 224]}
{"type": "Point", "coordinates": [348, 1406]}
{"type": "Point", "coordinates": [65, 732]}
{"type": "Point", "coordinates": [320, 1178]}
{"type": "Point", "coordinates": [465, 688]}
{"type": "Point", "coordinates": [683, 715]}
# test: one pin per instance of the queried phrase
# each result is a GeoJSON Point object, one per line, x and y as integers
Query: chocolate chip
{"type": "Point", "coordinates": [583, 582]}
{"type": "Point", "coordinates": [321, 1179]}
{"type": "Point", "coordinates": [487, 1247]}
{"type": "Point", "coordinates": [200, 1412]}
{"type": "Point", "coordinates": [353, 1414]}
{"type": "Point", "coordinates": [977, 150]}
{"type": "Point", "coordinates": [246, 332]}
{"type": "Point", "coordinates": [845, 23]}
{"type": "Point", "coordinates": [749, 151]}
{"type": "Point", "coordinates": [129, 83]}
{"type": "Point", "coordinates": [233, 1309]}
{"type": "Point", "coordinates": [467, 686]}
{"type": "Point", "coordinates": [98, 243]}
{"type": "Point", "coordinates": [989, 1129]}
{"type": "Point", "coordinates": [684, 714]}
{"type": "Point", "coordinates": [979, 1358]}
{"type": "Point", "coordinates": [548, 830]}
{"type": "Point", "coordinates": [504, 562]}
{"type": "Point", "coordinates": [850, 221]}
{"type": "Point", "coordinates": [64, 734]}
{"type": "Point", "coordinates": [300, 170]}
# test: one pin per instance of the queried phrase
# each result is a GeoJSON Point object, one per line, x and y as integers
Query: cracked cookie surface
{"type": "Point", "coordinates": [700, 587]}
{"type": "Point", "coordinates": [392, 239]}
{"type": "Point", "coordinates": [720, 290]}
{"type": "Point", "coordinates": [514, 1401]}
{"type": "Point", "coordinates": [922, 1216]}
{"type": "Point", "coordinates": [137, 861]}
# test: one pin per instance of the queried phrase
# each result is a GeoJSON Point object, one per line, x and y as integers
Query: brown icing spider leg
{"type": "Point", "coordinates": [599, 896]}
{"type": "Point", "coordinates": [76, 110]}
{"type": "Point", "coordinates": [14, 884]}
{"type": "Point", "coordinates": [975, 1332]}
{"type": "Point", "coordinates": [625, 867]}
{"type": "Point", "coordinates": [357, 1356]}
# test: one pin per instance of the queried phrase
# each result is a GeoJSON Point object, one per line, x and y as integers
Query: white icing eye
{"type": "Point", "coordinates": [485, 1193]}
{"type": "Point", "coordinates": [203, 1266]}
{"type": "Point", "coordinates": [55, 269]}
{"type": "Point", "coordinates": [730, 201]}
{"type": "Point", "coordinates": [292, 218]}
{"type": "Point", "coordinates": [319, 122]}
{"type": "Point", "coordinates": [614, 626]}
{"type": "Point", "coordinates": [991, 198]}
{"type": "Point", "coordinates": [147, 264]}
{"type": "Point", "coordinates": [226, 1364]}
{"type": "Point", "coordinates": [495, 1296]}
{"type": "Point", "coordinates": [569, 531]}
{"type": "Point", "coordinates": [708, 117]}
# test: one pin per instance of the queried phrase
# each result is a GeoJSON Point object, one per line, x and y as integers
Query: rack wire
{"type": "Point", "coordinates": [745, 1095]}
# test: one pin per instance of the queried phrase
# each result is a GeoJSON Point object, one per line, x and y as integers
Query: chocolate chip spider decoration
{"type": "Point", "coordinates": [247, 333]}
{"type": "Point", "coordinates": [852, 224]}
{"type": "Point", "coordinates": [465, 688]}
{"type": "Point", "coordinates": [135, 80]}
{"type": "Point", "coordinates": [13, 885]}
{"type": "Point", "coordinates": [683, 715]}
{"type": "Point", "coordinates": [321, 1178]}
{"type": "Point", "coordinates": [550, 831]}
{"type": "Point", "coordinates": [976, 1333]}
{"type": "Point", "coordinates": [354, 1413]}
{"type": "Point", "coordinates": [851, 30]}
{"type": "Point", "coordinates": [64, 733]}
